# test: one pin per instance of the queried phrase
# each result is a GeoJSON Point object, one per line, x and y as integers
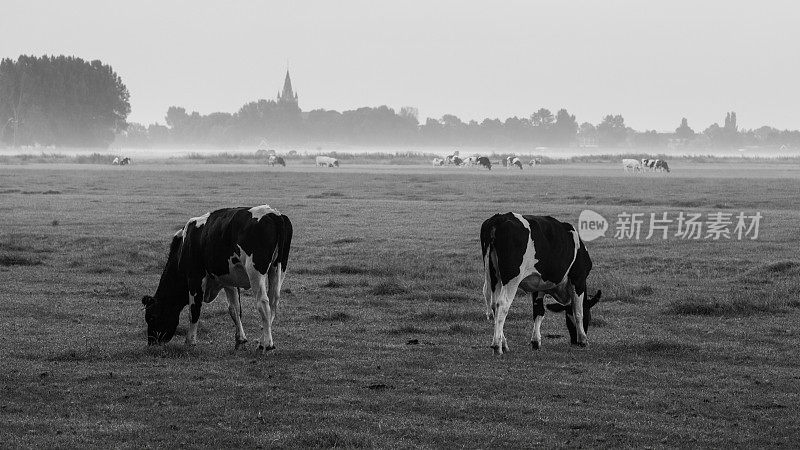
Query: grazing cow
{"type": "Point", "coordinates": [648, 164]}
{"type": "Point", "coordinates": [534, 162]}
{"type": "Point", "coordinates": [661, 166]}
{"type": "Point", "coordinates": [631, 164]}
{"type": "Point", "coordinates": [449, 159]}
{"type": "Point", "coordinates": [116, 161]}
{"type": "Point", "coordinates": [540, 255]}
{"type": "Point", "coordinates": [438, 162]}
{"type": "Point", "coordinates": [512, 161]}
{"type": "Point", "coordinates": [484, 162]}
{"type": "Point", "coordinates": [456, 161]}
{"type": "Point", "coordinates": [125, 161]}
{"type": "Point", "coordinates": [228, 249]}
{"type": "Point", "coordinates": [327, 161]}
{"type": "Point", "coordinates": [273, 160]}
{"type": "Point", "coordinates": [471, 161]}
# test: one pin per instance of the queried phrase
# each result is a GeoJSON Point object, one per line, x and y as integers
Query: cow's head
{"type": "Point", "coordinates": [336, 162]}
{"type": "Point", "coordinates": [162, 311]}
{"type": "Point", "coordinates": [162, 321]}
{"type": "Point", "coordinates": [587, 315]}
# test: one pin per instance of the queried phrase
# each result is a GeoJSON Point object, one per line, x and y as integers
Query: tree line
{"type": "Point", "coordinates": [66, 101]}
{"type": "Point", "coordinates": [61, 101]}
{"type": "Point", "coordinates": [267, 120]}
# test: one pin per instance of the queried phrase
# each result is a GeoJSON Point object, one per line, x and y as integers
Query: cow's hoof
{"type": "Point", "coordinates": [496, 350]}
{"type": "Point", "coordinates": [240, 343]}
{"type": "Point", "coordinates": [536, 345]}
{"type": "Point", "coordinates": [580, 344]}
{"type": "Point", "coordinates": [264, 350]}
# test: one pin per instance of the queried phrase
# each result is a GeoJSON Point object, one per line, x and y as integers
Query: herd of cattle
{"type": "Point", "coordinates": [482, 161]}
{"type": "Point", "coordinates": [248, 248]}
{"type": "Point", "coordinates": [646, 164]}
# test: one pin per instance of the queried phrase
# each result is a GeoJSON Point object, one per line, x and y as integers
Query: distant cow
{"type": "Point", "coordinates": [631, 165]}
{"type": "Point", "coordinates": [513, 161]}
{"type": "Point", "coordinates": [471, 161]}
{"type": "Point", "coordinates": [125, 161]}
{"type": "Point", "coordinates": [449, 159]}
{"type": "Point", "coordinates": [226, 249]}
{"type": "Point", "coordinates": [540, 255]}
{"type": "Point", "coordinates": [438, 162]}
{"type": "Point", "coordinates": [327, 161]}
{"type": "Point", "coordinates": [648, 164]}
{"type": "Point", "coordinates": [116, 161]}
{"type": "Point", "coordinates": [484, 162]}
{"type": "Point", "coordinates": [273, 160]}
{"type": "Point", "coordinates": [661, 166]}
{"type": "Point", "coordinates": [534, 162]}
{"type": "Point", "coordinates": [455, 160]}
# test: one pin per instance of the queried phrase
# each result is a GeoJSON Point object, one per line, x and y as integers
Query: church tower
{"type": "Point", "coordinates": [287, 97]}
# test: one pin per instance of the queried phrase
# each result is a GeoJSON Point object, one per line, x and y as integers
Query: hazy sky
{"type": "Point", "coordinates": [651, 61]}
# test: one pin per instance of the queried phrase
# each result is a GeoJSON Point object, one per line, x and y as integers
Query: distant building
{"type": "Point", "coordinates": [287, 97]}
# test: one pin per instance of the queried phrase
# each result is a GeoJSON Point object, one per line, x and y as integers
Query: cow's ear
{"type": "Point", "coordinates": [556, 307]}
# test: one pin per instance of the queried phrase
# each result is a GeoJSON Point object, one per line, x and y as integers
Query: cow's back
{"type": "Point", "coordinates": [209, 247]}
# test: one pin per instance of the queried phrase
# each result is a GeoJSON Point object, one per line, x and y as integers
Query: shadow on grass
{"type": "Point", "coordinates": [345, 269]}
{"type": "Point", "coordinates": [738, 307]}
{"type": "Point", "coordinates": [327, 194]}
{"type": "Point", "coordinates": [450, 297]}
{"type": "Point", "coordinates": [347, 240]}
{"type": "Point", "coordinates": [656, 347]}
{"type": "Point", "coordinates": [7, 260]}
{"type": "Point", "coordinates": [766, 273]}
{"type": "Point", "coordinates": [390, 287]}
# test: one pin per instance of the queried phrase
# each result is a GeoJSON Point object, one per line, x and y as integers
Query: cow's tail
{"type": "Point", "coordinates": [491, 267]}
{"type": "Point", "coordinates": [284, 226]}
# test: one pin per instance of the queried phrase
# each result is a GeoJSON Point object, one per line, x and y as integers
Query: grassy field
{"type": "Point", "coordinates": [381, 334]}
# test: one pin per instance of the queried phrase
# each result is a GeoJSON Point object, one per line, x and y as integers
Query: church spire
{"type": "Point", "coordinates": [287, 96]}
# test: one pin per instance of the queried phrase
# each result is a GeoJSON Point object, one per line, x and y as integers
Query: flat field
{"type": "Point", "coordinates": [381, 334]}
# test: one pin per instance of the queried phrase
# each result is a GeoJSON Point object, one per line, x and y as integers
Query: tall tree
{"type": "Point", "coordinates": [612, 131]}
{"type": "Point", "coordinates": [61, 101]}
{"type": "Point", "coordinates": [565, 128]}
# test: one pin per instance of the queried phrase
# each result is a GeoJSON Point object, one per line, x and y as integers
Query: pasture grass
{"type": "Point", "coordinates": [381, 332]}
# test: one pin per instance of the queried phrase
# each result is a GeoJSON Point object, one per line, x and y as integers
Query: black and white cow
{"type": "Point", "coordinates": [125, 161]}
{"type": "Point", "coordinates": [648, 164]}
{"type": "Point", "coordinates": [661, 165]}
{"type": "Point", "coordinates": [273, 160]}
{"type": "Point", "coordinates": [540, 255]}
{"type": "Point", "coordinates": [513, 161]}
{"type": "Point", "coordinates": [484, 162]}
{"type": "Point", "coordinates": [227, 249]}
{"type": "Point", "coordinates": [327, 161]}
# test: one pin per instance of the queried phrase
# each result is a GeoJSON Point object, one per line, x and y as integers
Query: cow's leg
{"type": "Point", "coordinates": [258, 281]}
{"type": "Point", "coordinates": [487, 297]}
{"type": "Point", "coordinates": [502, 303]}
{"type": "Point", "coordinates": [538, 317]}
{"type": "Point", "coordinates": [577, 313]}
{"type": "Point", "coordinates": [275, 279]}
{"type": "Point", "coordinates": [195, 304]}
{"type": "Point", "coordinates": [487, 286]}
{"type": "Point", "coordinates": [235, 311]}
